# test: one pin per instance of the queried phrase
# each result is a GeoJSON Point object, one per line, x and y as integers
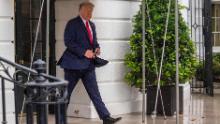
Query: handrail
{"type": "Point", "coordinates": [37, 91]}
{"type": "Point", "coordinates": [34, 72]}
{"type": "Point", "coordinates": [18, 66]}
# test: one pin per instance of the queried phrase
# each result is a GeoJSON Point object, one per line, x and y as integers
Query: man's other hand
{"type": "Point", "coordinates": [89, 54]}
{"type": "Point", "coordinates": [97, 51]}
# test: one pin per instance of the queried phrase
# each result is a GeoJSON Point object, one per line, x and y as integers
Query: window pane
{"type": "Point", "coordinates": [216, 38]}
{"type": "Point", "coordinates": [216, 24]}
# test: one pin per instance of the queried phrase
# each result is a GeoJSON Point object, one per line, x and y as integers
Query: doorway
{"type": "Point", "coordinates": [26, 20]}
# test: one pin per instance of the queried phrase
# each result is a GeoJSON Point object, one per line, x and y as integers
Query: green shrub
{"type": "Point", "coordinates": [133, 60]}
{"type": "Point", "coordinates": [215, 69]}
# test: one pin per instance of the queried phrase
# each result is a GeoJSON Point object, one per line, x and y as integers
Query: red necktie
{"type": "Point", "coordinates": [89, 32]}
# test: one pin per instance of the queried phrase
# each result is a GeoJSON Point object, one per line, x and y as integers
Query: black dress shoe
{"type": "Point", "coordinates": [110, 120]}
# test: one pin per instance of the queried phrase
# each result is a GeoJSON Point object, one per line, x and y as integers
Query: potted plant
{"type": "Point", "coordinates": [133, 60]}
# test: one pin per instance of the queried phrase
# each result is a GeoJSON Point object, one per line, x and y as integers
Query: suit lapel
{"type": "Point", "coordinates": [83, 27]}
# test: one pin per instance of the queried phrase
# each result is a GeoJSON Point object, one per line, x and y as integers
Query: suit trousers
{"type": "Point", "coordinates": [88, 77]}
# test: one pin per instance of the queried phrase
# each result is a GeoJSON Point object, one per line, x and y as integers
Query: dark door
{"type": "Point", "coordinates": [27, 16]}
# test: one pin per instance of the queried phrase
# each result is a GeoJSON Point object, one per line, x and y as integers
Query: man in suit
{"type": "Point", "coordinates": [77, 60]}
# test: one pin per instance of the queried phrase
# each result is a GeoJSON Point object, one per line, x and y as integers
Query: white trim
{"type": "Point", "coordinates": [214, 17]}
{"type": "Point", "coordinates": [216, 32]}
{"type": "Point", "coordinates": [216, 49]}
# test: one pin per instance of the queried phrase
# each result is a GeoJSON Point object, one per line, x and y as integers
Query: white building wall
{"type": "Point", "coordinates": [7, 51]}
{"type": "Point", "coordinates": [114, 27]}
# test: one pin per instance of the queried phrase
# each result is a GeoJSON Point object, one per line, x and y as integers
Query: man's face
{"type": "Point", "coordinates": [86, 12]}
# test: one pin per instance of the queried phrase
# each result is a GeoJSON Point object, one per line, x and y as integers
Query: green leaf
{"type": "Point", "coordinates": [133, 59]}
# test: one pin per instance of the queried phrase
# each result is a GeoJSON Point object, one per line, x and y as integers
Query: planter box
{"type": "Point", "coordinates": [169, 99]}
{"type": "Point", "coordinates": [185, 94]}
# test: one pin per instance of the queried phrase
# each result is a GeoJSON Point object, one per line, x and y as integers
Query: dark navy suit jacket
{"type": "Point", "coordinates": [77, 42]}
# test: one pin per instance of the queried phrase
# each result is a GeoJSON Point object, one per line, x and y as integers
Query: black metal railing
{"type": "Point", "coordinates": [201, 33]}
{"type": "Point", "coordinates": [39, 88]}
{"type": "Point", "coordinates": [196, 26]}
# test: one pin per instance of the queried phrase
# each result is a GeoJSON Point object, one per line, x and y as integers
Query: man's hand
{"type": "Point", "coordinates": [89, 54]}
{"type": "Point", "coordinates": [97, 51]}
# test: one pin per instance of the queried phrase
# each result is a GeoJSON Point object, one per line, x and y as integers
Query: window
{"type": "Point", "coordinates": [216, 24]}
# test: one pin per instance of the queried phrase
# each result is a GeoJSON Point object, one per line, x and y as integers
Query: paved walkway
{"type": "Point", "coordinates": [202, 110]}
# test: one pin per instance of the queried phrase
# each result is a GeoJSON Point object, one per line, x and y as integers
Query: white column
{"type": "Point", "coordinates": [184, 11]}
{"type": "Point", "coordinates": [114, 27]}
{"type": "Point", "coordinates": [7, 51]}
